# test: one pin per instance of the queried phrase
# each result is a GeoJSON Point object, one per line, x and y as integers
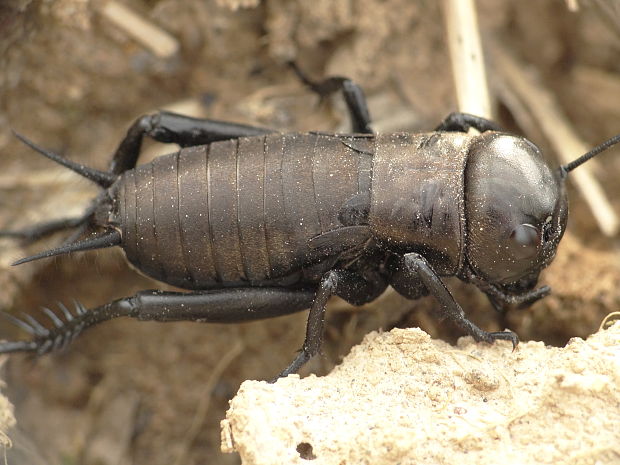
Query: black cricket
{"type": "Point", "coordinates": [257, 224]}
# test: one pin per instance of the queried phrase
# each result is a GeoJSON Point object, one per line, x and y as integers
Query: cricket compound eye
{"type": "Point", "coordinates": [525, 240]}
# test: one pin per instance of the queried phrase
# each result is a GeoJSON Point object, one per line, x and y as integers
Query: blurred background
{"type": "Point", "coordinates": [74, 74]}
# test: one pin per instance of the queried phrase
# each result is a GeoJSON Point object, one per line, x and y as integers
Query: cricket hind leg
{"type": "Point", "coordinates": [232, 305]}
{"type": "Point", "coordinates": [169, 127]}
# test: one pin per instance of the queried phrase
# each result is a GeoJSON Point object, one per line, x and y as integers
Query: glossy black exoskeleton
{"type": "Point", "coordinates": [257, 224]}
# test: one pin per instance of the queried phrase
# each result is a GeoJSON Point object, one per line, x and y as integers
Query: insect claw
{"type": "Point", "coordinates": [505, 336]}
{"type": "Point", "coordinates": [52, 316]}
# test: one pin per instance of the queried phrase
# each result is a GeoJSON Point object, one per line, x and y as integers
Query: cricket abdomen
{"type": "Point", "coordinates": [240, 211]}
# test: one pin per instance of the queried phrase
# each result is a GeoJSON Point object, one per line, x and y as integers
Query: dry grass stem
{"type": "Point", "coordinates": [466, 56]}
{"type": "Point", "coordinates": [148, 34]}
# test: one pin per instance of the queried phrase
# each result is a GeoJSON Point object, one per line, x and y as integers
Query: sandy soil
{"type": "Point", "coordinates": [130, 392]}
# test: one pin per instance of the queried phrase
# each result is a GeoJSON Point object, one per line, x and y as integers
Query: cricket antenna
{"type": "Point", "coordinates": [108, 238]}
{"type": "Point", "coordinates": [103, 178]}
{"type": "Point", "coordinates": [564, 169]}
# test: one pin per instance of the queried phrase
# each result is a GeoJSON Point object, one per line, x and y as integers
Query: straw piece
{"type": "Point", "coordinates": [558, 130]}
{"type": "Point", "coordinates": [144, 31]}
{"type": "Point", "coordinates": [466, 56]}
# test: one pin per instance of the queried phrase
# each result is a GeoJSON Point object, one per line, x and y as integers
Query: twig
{"type": "Point", "coordinates": [466, 55]}
{"type": "Point", "coordinates": [205, 401]}
{"type": "Point", "coordinates": [147, 33]}
{"type": "Point", "coordinates": [558, 130]}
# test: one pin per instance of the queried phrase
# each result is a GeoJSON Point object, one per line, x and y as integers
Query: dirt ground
{"type": "Point", "coordinates": [461, 404]}
{"type": "Point", "coordinates": [72, 80]}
